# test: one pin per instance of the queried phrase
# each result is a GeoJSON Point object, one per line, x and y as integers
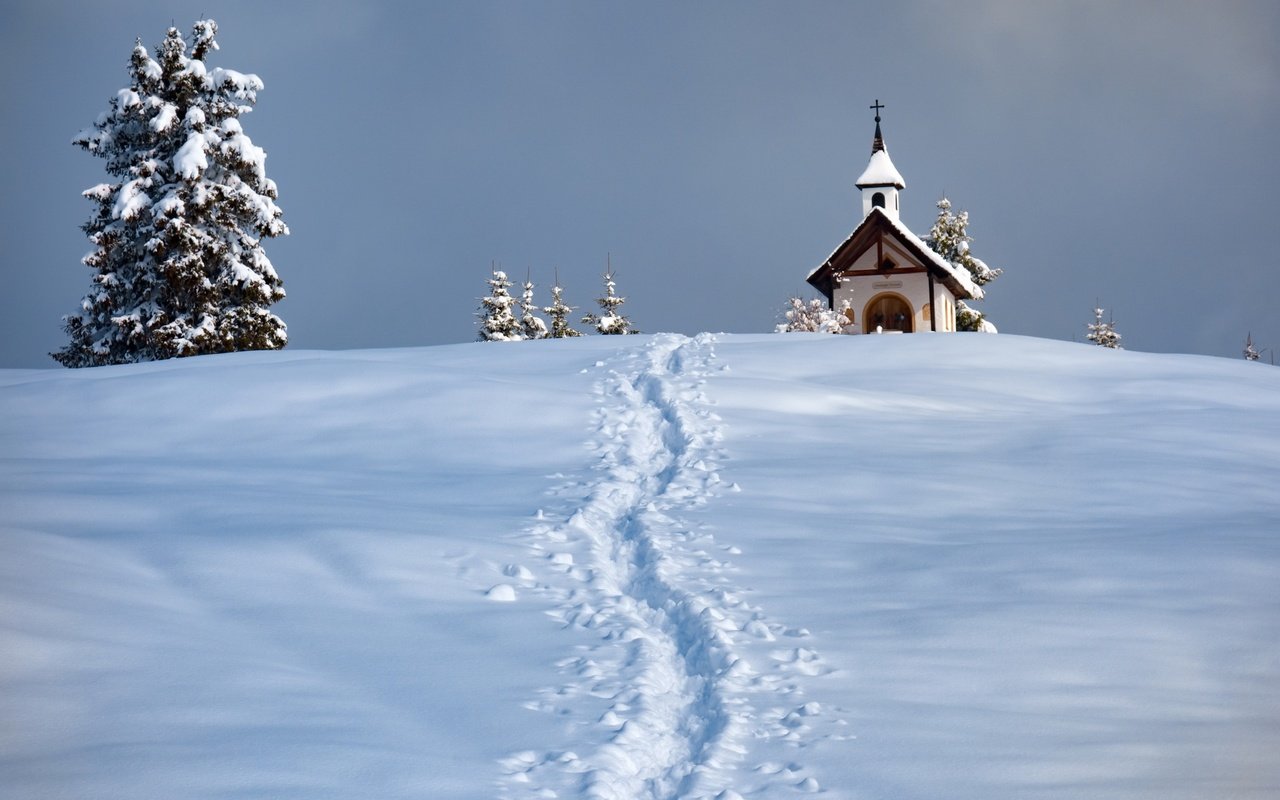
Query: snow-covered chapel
{"type": "Point", "coordinates": [884, 277]}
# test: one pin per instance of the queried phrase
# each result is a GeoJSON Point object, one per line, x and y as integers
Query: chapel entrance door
{"type": "Point", "coordinates": [889, 312]}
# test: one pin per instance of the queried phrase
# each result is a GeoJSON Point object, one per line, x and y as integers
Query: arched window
{"type": "Point", "coordinates": [877, 200]}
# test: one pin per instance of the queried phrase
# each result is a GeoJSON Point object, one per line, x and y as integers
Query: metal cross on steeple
{"type": "Point", "coordinates": [877, 144]}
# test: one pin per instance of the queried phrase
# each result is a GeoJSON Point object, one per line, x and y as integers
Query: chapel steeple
{"type": "Point", "coordinates": [880, 182]}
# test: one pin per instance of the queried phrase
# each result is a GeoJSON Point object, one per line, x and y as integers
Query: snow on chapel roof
{"type": "Point", "coordinates": [880, 172]}
{"type": "Point", "coordinates": [956, 278]}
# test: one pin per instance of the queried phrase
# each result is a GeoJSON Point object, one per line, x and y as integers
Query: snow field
{"type": "Point", "coordinates": [263, 575]}
{"type": "Point", "coordinates": [748, 567]}
{"type": "Point", "coordinates": [1040, 569]}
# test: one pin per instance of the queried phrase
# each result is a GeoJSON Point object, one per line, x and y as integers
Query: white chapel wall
{"type": "Point", "coordinates": [913, 287]}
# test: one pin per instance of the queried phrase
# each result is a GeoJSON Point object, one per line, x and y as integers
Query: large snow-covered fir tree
{"type": "Point", "coordinates": [949, 237]}
{"type": "Point", "coordinates": [559, 313]}
{"type": "Point", "coordinates": [531, 325]}
{"type": "Point", "coordinates": [1103, 333]}
{"type": "Point", "coordinates": [498, 323]}
{"type": "Point", "coordinates": [610, 321]}
{"type": "Point", "coordinates": [177, 255]}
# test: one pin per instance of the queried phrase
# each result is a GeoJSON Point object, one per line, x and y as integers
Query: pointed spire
{"type": "Point", "coordinates": [880, 170]}
{"type": "Point", "coordinates": [877, 144]}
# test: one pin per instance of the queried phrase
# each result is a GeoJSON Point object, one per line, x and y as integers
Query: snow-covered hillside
{"type": "Point", "coordinates": [644, 567]}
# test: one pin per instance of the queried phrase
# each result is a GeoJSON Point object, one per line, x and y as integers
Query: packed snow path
{"type": "Point", "coordinates": [661, 694]}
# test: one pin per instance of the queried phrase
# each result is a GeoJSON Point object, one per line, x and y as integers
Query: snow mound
{"type": "Point", "coordinates": [502, 593]}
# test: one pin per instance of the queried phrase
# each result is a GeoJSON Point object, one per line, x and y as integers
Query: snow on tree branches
{"type": "Point", "coordinates": [971, 319]}
{"type": "Point", "coordinates": [610, 322]}
{"type": "Point", "coordinates": [498, 322]}
{"type": "Point", "coordinates": [813, 317]}
{"type": "Point", "coordinates": [559, 313]}
{"type": "Point", "coordinates": [949, 238]}
{"type": "Point", "coordinates": [179, 266]}
{"type": "Point", "coordinates": [1103, 333]}
{"type": "Point", "coordinates": [503, 318]}
{"type": "Point", "coordinates": [531, 325]}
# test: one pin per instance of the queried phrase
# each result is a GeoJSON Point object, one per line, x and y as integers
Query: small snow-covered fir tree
{"type": "Point", "coordinates": [812, 316]}
{"type": "Point", "coordinates": [531, 325]}
{"type": "Point", "coordinates": [949, 237]}
{"type": "Point", "coordinates": [1103, 333]}
{"type": "Point", "coordinates": [1250, 352]}
{"type": "Point", "coordinates": [559, 313]}
{"type": "Point", "coordinates": [610, 322]}
{"type": "Point", "coordinates": [177, 256]}
{"type": "Point", "coordinates": [498, 322]}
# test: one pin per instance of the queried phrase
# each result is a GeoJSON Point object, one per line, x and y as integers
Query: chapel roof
{"type": "Point", "coordinates": [880, 172]}
{"type": "Point", "coordinates": [956, 279]}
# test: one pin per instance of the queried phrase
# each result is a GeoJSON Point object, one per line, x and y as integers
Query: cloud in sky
{"type": "Point", "coordinates": [1121, 152]}
{"type": "Point", "coordinates": [1221, 54]}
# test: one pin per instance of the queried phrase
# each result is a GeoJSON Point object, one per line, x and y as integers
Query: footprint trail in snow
{"type": "Point", "coordinates": [682, 678]}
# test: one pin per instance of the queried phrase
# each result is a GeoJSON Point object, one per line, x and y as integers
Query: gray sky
{"type": "Point", "coordinates": [1120, 151]}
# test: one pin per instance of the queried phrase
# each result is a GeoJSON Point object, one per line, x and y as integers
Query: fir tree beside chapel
{"type": "Point", "coordinates": [949, 237]}
{"type": "Point", "coordinates": [179, 268]}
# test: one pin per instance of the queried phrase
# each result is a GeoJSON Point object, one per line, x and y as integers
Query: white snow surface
{"type": "Point", "coordinates": [723, 566]}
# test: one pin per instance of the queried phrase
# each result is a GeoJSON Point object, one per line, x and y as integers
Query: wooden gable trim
{"type": "Point", "coordinates": [903, 254]}
{"type": "Point", "coordinates": [862, 273]}
{"type": "Point", "coordinates": [889, 247]}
